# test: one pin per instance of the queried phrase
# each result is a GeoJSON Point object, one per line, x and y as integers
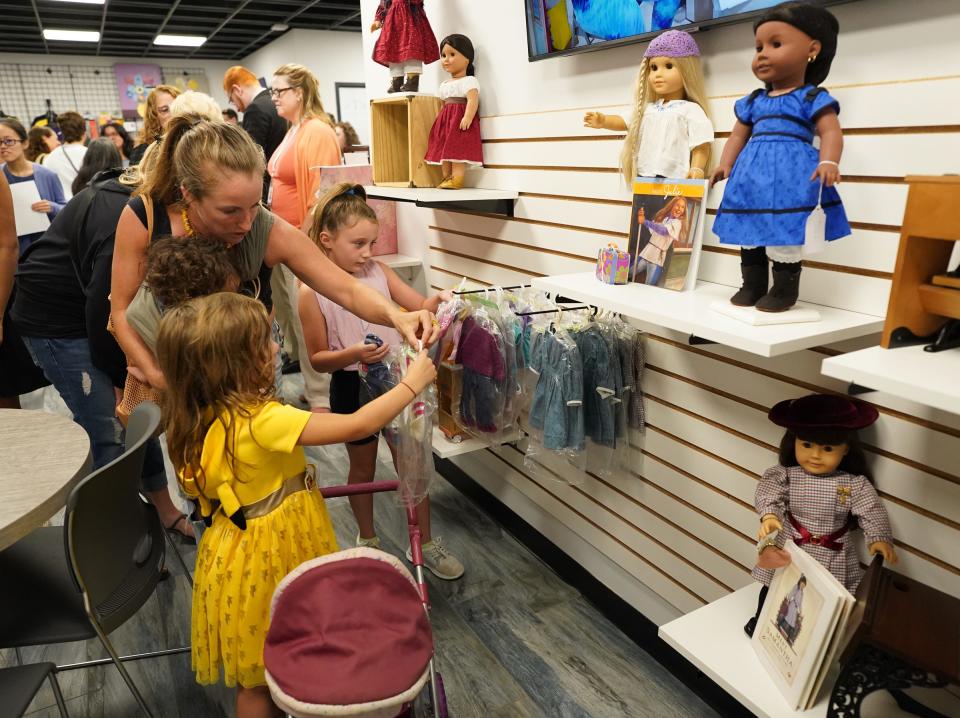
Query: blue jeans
{"type": "Point", "coordinates": [653, 270]}
{"type": "Point", "coordinates": [88, 393]}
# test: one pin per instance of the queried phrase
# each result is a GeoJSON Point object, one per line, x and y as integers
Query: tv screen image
{"type": "Point", "coordinates": [562, 27]}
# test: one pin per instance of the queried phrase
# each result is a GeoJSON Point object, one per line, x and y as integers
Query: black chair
{"type": "Point", "coordinates": [19, 685]}
{"type": "Point", "coordinates": [90, 576]}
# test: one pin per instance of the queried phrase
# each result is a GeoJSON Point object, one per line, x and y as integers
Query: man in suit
{"type": "Point", "coordinates": [260, 117]}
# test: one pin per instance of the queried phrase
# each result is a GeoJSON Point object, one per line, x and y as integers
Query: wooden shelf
{"type": "Point", "coordinates": [908, 372]}
{"type": "Point", "coordinates": [472, 199]}
{"type": "Point", "coordinates": [712, 639]}
{"type": "Point", "coordinates": [690, 312]}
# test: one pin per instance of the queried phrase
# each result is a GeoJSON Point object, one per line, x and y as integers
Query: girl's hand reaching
{"type": "Point", "coordinates": [370, 353]}
{"type": "Point", "coordinates": [421, 373]}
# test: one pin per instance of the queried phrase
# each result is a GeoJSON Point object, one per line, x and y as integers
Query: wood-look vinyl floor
{"type": "Point", "coordinates": [512, 639]}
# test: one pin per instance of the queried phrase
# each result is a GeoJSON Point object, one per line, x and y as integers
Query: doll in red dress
{"type": "Point", "coordinates": [455, 137]}
{"type": "Point", "coordinates": [406, 43]}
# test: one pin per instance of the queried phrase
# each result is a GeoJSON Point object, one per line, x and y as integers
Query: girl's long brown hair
{"type": "Point", "coordinates": [216, 355]}
{"type": "Point", "coordinates": [667, 211]}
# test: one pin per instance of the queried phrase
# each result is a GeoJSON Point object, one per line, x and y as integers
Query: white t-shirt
{"type": "Point", "coordinates": [458, 87]}
{"type": "Point", "coordinates": [668, 133]}
{"type": "Point", "coordinates": [65, 160]}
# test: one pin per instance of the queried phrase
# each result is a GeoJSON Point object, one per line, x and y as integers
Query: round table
{"type": "Point", "coordinates": [41, 457]}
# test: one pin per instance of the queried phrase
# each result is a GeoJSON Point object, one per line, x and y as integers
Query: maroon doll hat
{"type": "Point", "coordinates": [823, 411]}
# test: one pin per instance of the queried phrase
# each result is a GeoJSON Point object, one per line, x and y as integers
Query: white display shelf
{"type": "Point", "coordinates": [712, 639]}
{"type": "Point", "coordinates": [929, 378]}
{"type": "Point", "coordinates": [398, 261]}
{"type": "Point", "coordinates": [444, 448]}
{"type": "Point", "coordinates": [690, 312]}
{"type": "Point", "coordinates": [431, 195]}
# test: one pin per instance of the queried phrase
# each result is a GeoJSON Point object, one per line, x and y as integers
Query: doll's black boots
{"type": "Point", "coordinates": [412, 84]}
{"type": "Point", "coordinates": [395, 84]}
{"type": "Point", "coordinates": [754, 284]}
{"type": "Point", "coordinates": [785, 290]}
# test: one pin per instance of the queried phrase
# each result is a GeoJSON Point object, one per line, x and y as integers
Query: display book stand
{"type": "Point", "coordinates": [907, 637]}
{"type": "Point", "coordinates": [924, 307]}
{"type": "Point", "coordinates": [400, 128]}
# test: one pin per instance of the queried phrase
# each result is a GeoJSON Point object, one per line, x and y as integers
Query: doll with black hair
{"type": "Point", "coordinates": [455, 136]}
{"type": "Point", "coordinates": [820, 490]}
{"type": "Point", "coordinates": [777, 177]}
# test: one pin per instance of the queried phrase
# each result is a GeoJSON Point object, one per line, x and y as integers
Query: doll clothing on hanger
{"type": "Point", "coordinates": [448, 143]}
{"type": "Point", "coordinates": [669, 132]}
{"type": "Point", "coordinates": [557, 407]}
{"type": "Point", "coordinates": [823, 504]}
{"type": "Point", "coordinates": [769, 194]}
{"type": "Point", "coordinates": [406, 34]}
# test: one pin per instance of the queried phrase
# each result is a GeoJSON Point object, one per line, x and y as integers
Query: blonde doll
{"type": "Point", "coordinates": [669, 133]}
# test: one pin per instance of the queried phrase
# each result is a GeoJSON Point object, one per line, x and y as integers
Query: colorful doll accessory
{"type": "Point", "coordinates": [613, 266]}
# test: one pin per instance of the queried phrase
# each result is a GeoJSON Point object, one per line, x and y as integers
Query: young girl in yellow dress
{"type": "Point", "coordinates": [238, 451]}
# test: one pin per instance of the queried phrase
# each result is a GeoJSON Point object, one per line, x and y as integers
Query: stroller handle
{"type": "Point", "coordinates": [373, 487]}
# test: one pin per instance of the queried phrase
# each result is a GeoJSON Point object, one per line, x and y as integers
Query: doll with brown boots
{"type": "Point", "coordinates": [776, 177]}
{"type": "Point", "coordinates": [669, 134]}
{"type": "Point", "coordinates": [455, 142]}
{"type": "Point", "coordinates": [405, 44]}
{"type": "Point", "coordinates": [820, 491]}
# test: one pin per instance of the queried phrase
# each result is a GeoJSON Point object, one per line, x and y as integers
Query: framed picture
{"type": "Point", "coordinates": [353, 107]}
{"type": "Point", "coordinates": [666, 231]}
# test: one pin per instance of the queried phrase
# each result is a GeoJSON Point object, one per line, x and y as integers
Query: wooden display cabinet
{"type": "Point", "coordinates": [400, 128]}
{"type": "Point", "coordinates": [924, 300]}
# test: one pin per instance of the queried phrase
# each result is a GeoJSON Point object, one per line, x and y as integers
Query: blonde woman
{"type": "Point", "coordinates": [196, 103]}
{"type": "Point", "coordinates": [156, 115]}
{"type": "Point", "coordinates": [310, 142]}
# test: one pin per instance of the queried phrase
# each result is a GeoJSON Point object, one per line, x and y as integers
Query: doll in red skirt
{"type": "Point", "coordinates": [406, 43]}
{"type": "Point", "coordinates": [455, 137]}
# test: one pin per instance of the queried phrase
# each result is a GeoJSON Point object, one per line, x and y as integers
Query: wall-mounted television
{"type": "Point", "coordinates": [563, 27]}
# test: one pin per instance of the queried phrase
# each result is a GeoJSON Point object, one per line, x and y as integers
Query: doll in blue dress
{"type": "Point", "coordinates": [776, 176]}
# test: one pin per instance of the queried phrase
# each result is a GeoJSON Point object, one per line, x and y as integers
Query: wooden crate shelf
{"type": "Point", "coordinates": [400, 129]}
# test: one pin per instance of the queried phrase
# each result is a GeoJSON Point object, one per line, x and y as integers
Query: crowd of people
{"type": "Point", "coordinates": [167, 271]}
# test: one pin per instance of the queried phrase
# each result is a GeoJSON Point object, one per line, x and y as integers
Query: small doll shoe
{"type": "Point", "coordinates": [451, 183]}
{"type": "Point", "coordinates": [755, 279]}
{"type": "Point", "coordinates": [783, 294]}
{"type": "Point", "coordinates": [395, 84]}
{"type": "Point", "coordinates": [412, 84]}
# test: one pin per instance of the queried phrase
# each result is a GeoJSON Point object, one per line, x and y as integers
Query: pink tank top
{"type": "Point", "coordinates": [345, 329]}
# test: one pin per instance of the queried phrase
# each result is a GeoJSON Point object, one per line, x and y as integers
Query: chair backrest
{"type": "Point", "coordinates": [114, 537]}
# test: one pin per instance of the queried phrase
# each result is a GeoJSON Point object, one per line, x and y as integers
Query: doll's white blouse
{"type": "Point", "coordinates": [668, 133]}
{"type": "Point", "coordinates": [458, 87]}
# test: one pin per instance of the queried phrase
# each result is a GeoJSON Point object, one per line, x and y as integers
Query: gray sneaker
{"type": "Point", "coordinates": [441, 562]}
{"type": "Point", "coordinates": [368, 543]}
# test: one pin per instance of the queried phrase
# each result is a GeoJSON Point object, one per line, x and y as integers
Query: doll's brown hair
{"type": "Point", "coordinates": [855, 461]}
{"type": "Point", "coordinates": [694, 89]}
{"type": "Point", "coordinates": [343, 205]}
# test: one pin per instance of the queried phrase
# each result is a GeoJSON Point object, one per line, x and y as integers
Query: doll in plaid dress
{"type": "Point", "coordinates": [821, 490]}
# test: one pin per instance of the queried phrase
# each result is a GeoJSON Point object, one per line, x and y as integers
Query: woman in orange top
{"type": "Point", "coordinates": [310, 142]}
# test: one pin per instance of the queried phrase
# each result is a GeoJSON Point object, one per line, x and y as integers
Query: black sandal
{"type": "Point", "coordinates": [183, 537]}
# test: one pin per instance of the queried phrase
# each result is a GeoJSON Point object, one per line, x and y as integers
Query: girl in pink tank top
{"type": "Point", "coordinates": [345, 227]}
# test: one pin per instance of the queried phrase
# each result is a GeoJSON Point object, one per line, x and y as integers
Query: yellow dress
{"type": "Point", "coordinates": [238, 570]}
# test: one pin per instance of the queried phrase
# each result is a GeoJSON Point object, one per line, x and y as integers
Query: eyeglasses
{"type": "Point", "coordinates": [10, 142]}
{"type": "Point", "coordinates": [277, 91]}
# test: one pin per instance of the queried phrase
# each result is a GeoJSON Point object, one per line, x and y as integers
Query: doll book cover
{"type": "Point", "coordinates": [666, 231]}
{"type": "Point", "coordinates": [800, 628]}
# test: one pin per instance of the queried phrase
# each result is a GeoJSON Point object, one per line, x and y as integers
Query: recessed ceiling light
{"type": "Point", "coordinates": [71, 35]}
{"type": "Point", "coordinates": [279, 27]}
{"type": "Point", "coordinates": [84, 2]}
{"type": "Point", "coordinates": [180, 40]}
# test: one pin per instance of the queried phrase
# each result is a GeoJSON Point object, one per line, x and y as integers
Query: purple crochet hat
{"type": "Point", "coordinates": [673, 43]}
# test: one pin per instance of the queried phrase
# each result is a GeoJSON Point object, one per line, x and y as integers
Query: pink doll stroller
{"type": "Point", "coordinates": [350, 632]}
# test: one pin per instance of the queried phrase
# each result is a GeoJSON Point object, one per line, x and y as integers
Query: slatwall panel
{"type": "Point", "coordinates": [681, 519]}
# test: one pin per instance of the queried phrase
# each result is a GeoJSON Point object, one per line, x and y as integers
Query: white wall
{"type": "Point", "coordinates": [332, 56]}
{"type": "Point", "coordinates": [677, 530]}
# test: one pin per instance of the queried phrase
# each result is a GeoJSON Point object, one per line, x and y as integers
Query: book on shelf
{"type": "Point", "coordinates": [807, 621]}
